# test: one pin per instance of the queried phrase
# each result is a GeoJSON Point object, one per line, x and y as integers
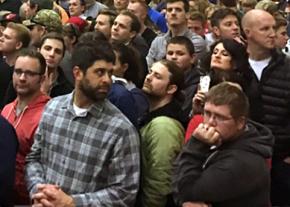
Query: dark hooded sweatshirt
{"type": "Point", "coordinates": [234, 174]}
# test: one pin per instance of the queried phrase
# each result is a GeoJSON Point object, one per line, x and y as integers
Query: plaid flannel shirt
{"type": "Point", "coordinates": [95, 158]}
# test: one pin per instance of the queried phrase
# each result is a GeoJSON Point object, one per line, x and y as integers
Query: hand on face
{"type": "Point", "coordinates": [207, 134]}
{"type": "Point", "coordinates": [48, 82]}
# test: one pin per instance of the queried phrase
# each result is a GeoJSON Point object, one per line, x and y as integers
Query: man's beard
{"type": "Point", "coordinates": [92, 93]}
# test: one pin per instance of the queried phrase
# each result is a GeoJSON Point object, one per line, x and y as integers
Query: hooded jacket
{"type": "Point", "coordinates": [25, 125]}
{"type": "Point", "coordinates": [233, 174]}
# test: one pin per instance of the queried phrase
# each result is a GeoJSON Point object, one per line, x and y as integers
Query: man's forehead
{"type": "Point", "coordinates": [121, 18]}
{"type": "Point", "coordinates": [160, 69]}
{"type": "Point", "coordinates": [75, 1]}
{"type": "Point", "coordinates": [53, 43]}
{"type": "Point", "coordinates": [229, 18]}
{"type": "Point", "coordinates": [217, 107]}
{"type": "Point", "coordinates": [28, 60]}
{"type": "Point", "coordinates": [103, 16]}
{"type": "Point", "coordinates": [9, 31]}
{"type": "Point", "coordinates": [176, 46]}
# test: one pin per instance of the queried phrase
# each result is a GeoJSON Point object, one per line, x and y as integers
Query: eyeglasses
{"type": "Point", "coordinates": [27, 73]}
{"type": "Point", "coordinates": [217, 117]}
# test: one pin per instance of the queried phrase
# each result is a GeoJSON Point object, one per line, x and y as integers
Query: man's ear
{"type": "Point", "coordinates": [247, 32]}
{"type": "Point", "coordinates": [124, 67]}
{"type": "Point", "coordinates": [43, 30]}
{"type": "Point", "coordinates": [18, 45]}
{"type": "Point", "coordinates": [241, 122]}
{"type": "Point", "coordinates": [187, 15]}
{"type": "Point", "coordinates": [78, 73]}
{"type": "Point", "coordinates": [193, 59]}
{"type": "Point", "coordinates": [132, 34]}
{"type": "Point", "coordinates": [216, 31]}
{"type": "Point", "coordinates": [171, 89]}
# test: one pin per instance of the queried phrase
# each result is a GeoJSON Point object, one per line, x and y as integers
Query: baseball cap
{"type": "Point", "coordinates": [78, 22]}
{"type": "Point", "coordinates": [8, 16]}
{"type": "Point", "coordinates": [47, 18]}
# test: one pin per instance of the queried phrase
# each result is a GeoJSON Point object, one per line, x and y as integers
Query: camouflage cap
{"type": "Point", "coordinates": [47, 18]}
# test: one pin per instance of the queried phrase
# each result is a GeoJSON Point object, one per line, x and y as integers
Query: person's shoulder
{"type": "Point", "coordinates": [195, 37]}
{"type": "Point", "coordinates": [99, 5]}
{"type": "Point", "coordinates": [160, 37]}
{"type": "Point", "coordinates": [165, 122]}
{"type": "Point", "coordinates": [118, 91]}
{"type": "Point", "coordinates": [59, 101]}
{"type": "Point", "coordinates": [114, 116]}
{"type": "Point", "coordinates": [5, 126]}
{"type": "Point", "coordinates": [8, 107]}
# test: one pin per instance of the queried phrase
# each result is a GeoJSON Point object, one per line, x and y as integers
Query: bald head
{"type": "Point", "coordinates": [253, 17]}
{"type": "Point", "coordinates": [259, 28]}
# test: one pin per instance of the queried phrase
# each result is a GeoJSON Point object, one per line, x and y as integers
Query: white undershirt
{"type": "Point", "coordinates": [258, 66]}
{"type": "Point", "coordinates": [80, 111]}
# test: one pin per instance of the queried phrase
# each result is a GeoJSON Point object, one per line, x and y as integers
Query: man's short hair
{"type": "Point", "coordinates": [129, 55]}
{"type": "Point", "coordinates": [55, 36]}
{"type": "Point", "coordinates": [280, 21]}
{"type": "Point", "coordinates": [198, 16]}
{"type": "Point", "coordinates": [227, 93]}
{"type": "Point", "coordinates": [33, 53]}
{"type": "Point", "coordinates": [110, 13]}
{"type": "Point", "coordinates": [229, 3]}
{"type": "Point", "coordinates": [182, 40]}
{"type": "Point", "coordinates": [267, 5]}
{"type": "Point", "coordinates": [176, 77]}
{"type": "Point", "coordinates": [142, 3]}
{"type": "Point", "coordinates": [249, 3]}
{"type": "Point", "coordinates": [41, 4]}
{"type": "Point", "coordinates": [23, 33]}
{"type": "Point", "coordinates": [86, 53]}
{"type": "Point", "coordinates": [185, 3]}
{"type": "Point", "coordinates": [135, 23]}
{"type": "Point", "coordinates": [95, 36]}
{"type": "Point", "coordinates": [220, 14]}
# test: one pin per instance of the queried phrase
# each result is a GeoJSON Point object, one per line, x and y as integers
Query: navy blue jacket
{"type": "Point", "coordinates": [8, 151]}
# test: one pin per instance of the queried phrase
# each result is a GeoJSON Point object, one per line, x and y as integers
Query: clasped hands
{"type": "Point", "coordinates": [49, 195]}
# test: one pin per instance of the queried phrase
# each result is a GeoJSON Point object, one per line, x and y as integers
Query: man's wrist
{"type": "Point", "coordinates": [71, 202]}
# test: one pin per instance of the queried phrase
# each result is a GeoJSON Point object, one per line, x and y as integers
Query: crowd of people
{"type": "Point", "coordinates": [140, 103]}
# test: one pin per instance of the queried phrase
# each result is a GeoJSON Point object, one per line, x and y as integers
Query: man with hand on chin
{"type": "Point", "coordinates": [224, 154]}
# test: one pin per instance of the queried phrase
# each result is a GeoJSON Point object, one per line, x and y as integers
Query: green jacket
{"type": "Point", "coordinates": [161, 142]}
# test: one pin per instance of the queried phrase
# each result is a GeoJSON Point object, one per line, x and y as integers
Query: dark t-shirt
{"type": "Point", "coordinates": [148, 36]}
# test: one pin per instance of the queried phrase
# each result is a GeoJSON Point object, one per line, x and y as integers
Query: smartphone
{"type": "Point", "coordinates": [204, 83]}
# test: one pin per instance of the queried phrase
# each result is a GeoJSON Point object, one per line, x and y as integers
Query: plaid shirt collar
{"type": "Point", "coordinates": [95, 109]}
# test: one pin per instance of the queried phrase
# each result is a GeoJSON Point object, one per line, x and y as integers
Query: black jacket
{"type": "Point", "coordinates": [8, 150]}
{"type": "Point", "coordinates": [234, 174]}
{"type": "Point", "coordinates": [270, 101]}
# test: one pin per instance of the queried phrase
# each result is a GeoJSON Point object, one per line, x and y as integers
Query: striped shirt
{"type": "Point", "coordinates": [94, 158]}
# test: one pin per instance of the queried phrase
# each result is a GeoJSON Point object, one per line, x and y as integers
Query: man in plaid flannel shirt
{"type": "Point", "coordinates": [86, 153]}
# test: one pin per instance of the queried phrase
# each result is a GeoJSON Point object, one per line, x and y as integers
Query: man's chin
{"type": "Point", "coordinates": [100, 97]}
